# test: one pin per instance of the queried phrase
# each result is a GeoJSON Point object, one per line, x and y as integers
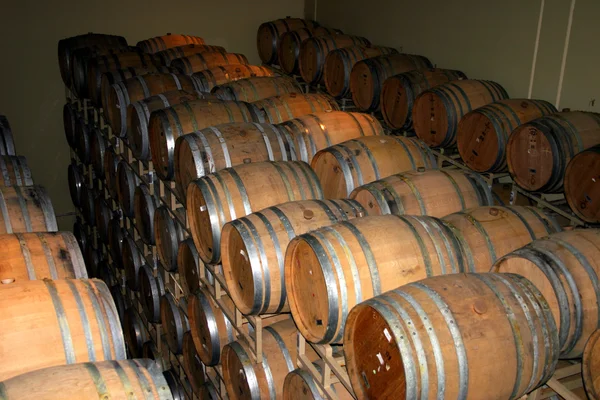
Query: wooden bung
{"type": "Point", "coordinates": [203, 61]}
{"type": "Point", "coordinates": [400, 91]}
{"type": "Point", "coordinates": [437, 111]}
{"type": "Point", "coordinates": [192, 365]}
{"type": "Point", "coordinates": [144, 206]}
{"type": "Point", "coordinates": [166, 125]}
{"type": "Point", "coordinates": [279, 109]}
{"type": "Point", "coordinates": [582, 184]}
{"type": "Point", "coordinates": [253, 249]}
{"type": "Point", "coordinates": [255, 89]}
{"type": "Point", "coordinates": [207, 79]}
{"type": "Point", "coordinates": [288, 48]}
{"type": "Point", "coordinates": [168, 55]}
{"type": "Point", "coordinates": [269, 33]}
{"type": "Point", "coordinates": [448, 336]}
{"type": "Point", "coordinates": [591, 366]}
{"type": "Point", "coordinates": [167, 235]}
{"type": "Point", "coordinates": [77, 318]}
{"type": "Point", "coordinates": [160, 43]}
{"type": "Point", "coordinates": [301, 385]}
{"type": "Point", "coordinates": [565, 268]}
{"type": "Point", "coordinates": [26, 209]}
{"type": "Point", "coordinates": [343, 167]}
{"type": "Point", "coordinates": [151, 290]}
{"type": "Point", "coordinates": [14, 171]}
{"type": "Point", "coordinates": [216, 199]}
{"type": "Point", "coordinates": [436, 193]}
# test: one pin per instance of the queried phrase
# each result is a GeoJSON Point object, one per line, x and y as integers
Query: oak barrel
{"type": "Point", "coordinates": [88, 204]}
{"type": "Point", "coordinates": [132, 260]}
{"type": "Point", "coordinates": [400, 91]}
{"type": "Point", "coordinates": [565, 267]}
{"type": "Point", "coordinates": [98, 145]}
{"type": "Point", "coordinates": [448, 336]}
{"type": "Point", "coordinates": [539, 151]}
{"type": "Point", "coordinates": [151, 290]}
{"type": "Point", "coordinates": [591, 366]}
{"type": "Point", "coordinates": [144, 206]}
{"type": "Point", "coordinates": [314, 51]}
{"type": "Point", "coordinates": [167, 235]}
{"type": "Point", "coordinates": [279, 109]}
{"type": "Point", "coordinates": [483, 133]}
{"type": "Point", "coordinates": [253, 249]}
{"type": "Point", "coordinates": [78, 317]}
{"type": "Point", "coordinates": [166, 125]}
{"type": "Point", "coordinates": [174, 322]}
{"type": "Point", "coordinates": [160, 43]}
{"type": "Point", "coordinates": [288, 48]}
{"type": "Point", "coordinates": [70, 118]}
{"type": "Point", "coordinates": [436, 193]}
{"type": "Point", "coordinates": [92, 258]}
{"type": "Point", "coordinates": [343, 167]}
{"type": "Point", "coordinates": [188, 266]}
{"type": "Point", "coordinates": [14, 171]}
{"type": "Point", "coordinates": [255, 89]}
{"type": "Point", "coordinates": [582, 184]}
{"type": "Point", "coordinates": [127, 181]}
{"type": "Point", "coordinates": [7, 145]}
{"type": "Point", "coordinates": [26, 209]}
{"type": "Point", "coordinates": [437, 111]}
{"type": "Point", "coordinates": [116, 235]}
{"type": "Point", "coordinates": [135, 335]}
{"type": "Point", "coordinates": [301, 385]}
{"type": "Point", "coordinates": [168, 55]}
{"type": "Point", "coordinates": [102, 215]}
{"type": "Point", "coordinates": [83, 132]}
{"type": "Point", "coordinates": [207, 79]}
{"type": "Point", "coordinates": [111, 163]}
{"type": "Point", "coordinates": [231, 193]}
{"type": "Point", "coordinates": [78, 232]}
{"type": "Point", "coordinates": [203, 61]}
{"type": "Point", "coordinates": [269, 33]}
{"type": "Point", "coordinates": [192, 366]}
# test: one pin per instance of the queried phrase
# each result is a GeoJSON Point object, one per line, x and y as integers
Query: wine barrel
{"type": "Point", "coordinates": [591, 366]}
{"type": "Point", "coordinates": [40, 255]}
{"type": "Point", "coordinates": [98, 145]}
{"type": "Point", "coordinates": [574, 300]}
{"type": "Point", "coordinates": [216, 199]}
{"type": "Point", "coordinates": [207, 79]}
{"type": "Point", "coordinates": [168, 55]}
{"type": "Point", "coordinates": [279, 109]}
{"type": "Point", "coordinates": [7, 146]}
{"type": "Point", "coordinates": [288, 48]}
{"type": "Point", "coordinates": [102, 215]}
{"type": "Point", "coordinates": [483, 133]}
{"type": "Point", "coordinates": [301, 385]}
{"type": "Point", "coordinates": [400, 91]}
{"type": "Point", "coordinates": [26, 209]}
{"type": "Point", "coordinates": [92, 257]}
{"type": "Point", "coordinates": [78, 232]}
{"type": "Point", "coordinates": [247, 380]}
{"type": "Point", "coordinates": [488, 233]}
{"type": "Point", "coordinates": [83, 131]}
{"type": "Point", "coordinates": [138, 115]}
{"type": "Point", "coordinates": [188, 267]}
{"type": "Point", "coordinates": [132, 261]}
{"type": "Point", "coordinates": [203, 61]}
{"type": "Point", "coordinates": [269, 33]}
{"type": "Point", "coordinates": [429, 326]}
{"type": "Point", "coordinates": [582, 184]}
{"type": "Point", "coordinates": [223, 146]}
{"type": "Point", "coordinates": [151, 290]}
{"type": "Point", "coordinates": [343, 167]}
{"type": "Point", "coordinates": [70, 116]}
{"type": "Point", "coordinates": [174, 322]}
{"type": "Point", "coordinates": [437, 111]}
{"type": "Point", "coordinates": [436, 193]}
{"type": "Point", "coordinates": [68, 45]}
{"type": "Point", "coordinates": [371, 255]}
{"type": "Point", "coordinates": [111, 163]}
{"type": "Point", "coordinates": [134, 332]}
{"type": "Point", "coordinates": [167, 235]}
{"type": "Point", "coordinates": [88, 200]}
{"type": "Point", "coordinates": [144, 206]}
{"type": "Point", "coordinates": [367, 76]}
{"type": "Point", "coordinates": [255, 89]}
{"type": "Point", "coordinates": [166, 125]}
{"type": "Point", "coordinates": [539, 151]}
{"type": "Point", "coordinates": [253, 249]}
{"type": "Point", "coordinates": [15, 171]}
{"type": "Point", "coordinates": [127, 181]}
{"type": "Point", "coordinates": [161, 43]}
{"type": "Point", "coordinates": [339, 63]}
{"type": "Point", "coordinates": [192, 365]}
{"type": "Point", "coordinates": [209, 392]}
{"type": "Point", "coordinates": [76, 181]}
{"type": "Point", "coordinates": [117, 296]}
{"type": "Point", "coordinates": [116, 236]}
{"type": "Point", "coordinates": [138, 88]}
{"type": "Point", "coordinates": [314, 51]}
{"type": "Point", "coordinates": [176, 385]}
{"type": "Point", "coordinates": [77, 315]}
{"type": "Point", "coordinates": [121, 379]}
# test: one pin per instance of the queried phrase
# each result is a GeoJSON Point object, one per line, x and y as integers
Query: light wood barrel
{"type": "Point", "coordinates": [289, 106]}
{"type": "Point", "coordinates": [339, 63]}
{"type": "Point", "coordinates": [26, 209]}
{"type": "Point", "coordinates": [223, 146]}
{"type": "Point", "coordinates": [135, 335]}
{"type": "Point", "coordinates": [438, 342]}
{"type": "Point", "coordinates": [167, 235]}
{"type": "Point", "coordinates": [192, 365]}
{"type": "Point", "coordinates": [288, 48]}
{"type": "Point", "coordinates": [14, 171]}
{"type": "Point", "coordinates": [269, 33]}
{"type": "Point", "coordinates": [591, 366]}
{"type": "Point", "coordinates": [400, 91]}
{"type": "Point", "coordinates": [565, 267]}
{"type": "Point", "coordinates": [122, 94]}
{"type": "Point", "coordinates": [127, 181]}
{"type": "Point", "coordinates": [98, 145]}
{"type": "Point", "coordinates": [88, 204]}
{"type": "Point", "coordinates": [160, 43]}
{"type": "Point", "coordinates": [70, 116]}
{"type": "Point", "coordinates": [111, 163]}
{"type": "Point", "coordinates": [314, 51]}
{"type": "Point", "coordinates": [253, 249]}
{"type": "Point", "coordinates": [367, 76]}
{"type": "Point", "coordinates": [330, 270]}
{"type": "Point", "coordinates": [40, 255]}
{"type": "Point", "coordinates": [436, 193]}
{"type": "Point", "coordinates": [188, 267]}
{"type": "Point", "coordinates": [437, 111]}
{"type": "Point", "coordinates": [151, 290]}
{"type": "Point", "coordinates": [116, 236]}
{"type": "Point", "coordinates": [348, 165]}
{"type": "Point", "coordinates": [483, 133]}
{"type": "Point", "coordinates": [300, 385]}
{"type": "Point", "coordinates": [78, 317]}
{"type": "Point", "coordinates": [144, 206]}
{"type": "Point", "coordinates": [174, 322]}
{"type": "Point", "coordinates": [168, 55]}
{"type": "Point", "coordinates": [539, 151]}
{"type": "Point", "coordinates": [216, 199]}
{"type": "Point", "coordinates": [132, 261]}
{"type": "Point", "coordinates": [203, 61]}
{"type": "Point", "coordinates": [102, 215]}
{"type": "Point", "coordinates": [255, 89]}
{"type": "Point", "coordinates": [116, 379]}
{"type": "Point", "coordinates": [138, 116]}
{"type": "Point", "coordinates": [207, 79]}
{"type": "Point", "coordinates": [7, 145]}
{"type": "Point", "coordinates": [488, 233]}
{"type": "Point", "coordinates": [166, 125]}
{"type": "Point", "coordinates": [582, 185]}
